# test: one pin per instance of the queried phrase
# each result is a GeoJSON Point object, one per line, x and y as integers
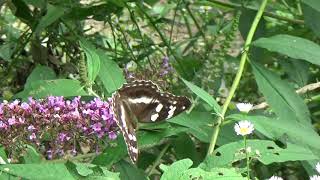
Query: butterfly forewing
{"type": "Point", "coordinates": [143, 101]}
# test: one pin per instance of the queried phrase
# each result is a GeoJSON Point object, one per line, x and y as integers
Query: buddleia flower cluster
{"type": "Point", "coordinates": [56, 126]}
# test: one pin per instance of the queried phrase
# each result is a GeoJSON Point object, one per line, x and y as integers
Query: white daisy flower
{"type": "Point", "coordinates": [243, 128]}
{"type": "Point", "coordinates": [275, 178]}
{"type": "Point", "coordinates": [315, 177]}
{"type": "Point", "coordinates": [318, 167]}
{"type": "Point", "coordinates": [244, 107]}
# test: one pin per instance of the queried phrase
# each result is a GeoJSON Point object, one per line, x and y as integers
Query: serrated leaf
{"type": "Point", "coordinates": [93, 59]}
{"type": "Point", "coordinates": [52, 15]}
{"type": "Point", "coordinates": [204, 96]}
{"type": "Point", "coordinates": [269, 153]}
{"type": "Point", "coordinates": [284, 101]}
{"type": "Point", "coordinates": [48, 171]}
{"type": "Point", "coordinates": [110, 73]}
{"type": "Point", "coordinates": [292, 46]}
{"type": "Point", "coordinates": [57, 87]}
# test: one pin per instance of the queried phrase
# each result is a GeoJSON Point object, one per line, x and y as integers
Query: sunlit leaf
{"type": "Point", "coordinates": [292, 46]}
{"type": "Point", "coordinates": [282, 98]}
{"type": "Point", "coordinates": [204, 96]}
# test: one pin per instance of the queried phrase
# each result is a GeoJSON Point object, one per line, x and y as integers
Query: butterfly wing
{"type": "Point", "coordinates": [143, 101]}
{"type": "Point", "coordinates": [126, 124]}
{"type": "Point", "coordinates": [151, 105]}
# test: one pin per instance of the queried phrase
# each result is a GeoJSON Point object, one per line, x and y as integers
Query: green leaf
{"type": "Point", "coordinates": [48, 171]}
{"type": "Point", "coordinates": [109, 175]}
{"type": "Point", "coordinates": [216, 173]}
{"type": "Point", "coordinates": [184, 147]}
{"type": "Point", "coordinates": [112, 154]}
{"type": "Point", "coordinates": [175, 170]}
{"type": "Point", "coordinates": [273, 128]}
{"type": "Point", "coordinates": [269, 153]}
{"type": "Point", "coordinates": [40, 73]}
{"type": "Point", "coordinates": [110, 73]}
{"type": "Point", "coordinates": [197, 122]}
{"type": "Point", "coordinates": [58, 87]}
{"type": "Point", "coordinates": [129, 171]}
{"type": "Point", "coordinates": [204, 96]}
{"type": "Point", "coordinates": [3, 155]}
{"type": "Point", "coordinates": [6, 50]}
{"type": "Point", "coordinates": [93, 59]}
{"type": "Point", "coordinates": [147, 139]}
{"type": "Point", "coordinates": [84, 169]}
{"type": "Point", "coordinates": [292, 46]}
{"type": "Point", "coordinates": [311, 12]}
{"type": "Point", "coordinates": [179, 170]}
{"type": "Point", "coordinates": [282, 98]}
{"type": "Point", "coordinates": [30, 156]}
{"type": "Point", "coordinates": [298, 71]}
{"type": "Point", "coordinates": [52, 15]}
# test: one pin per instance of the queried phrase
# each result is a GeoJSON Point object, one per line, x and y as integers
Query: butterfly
{"type": "Point", "coordinates": [143, 101]}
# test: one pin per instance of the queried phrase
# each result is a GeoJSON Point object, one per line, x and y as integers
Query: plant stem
{"type": "Point", "coordinates": [237, 78]}
{"type": "Point", "coordinates": [247, 157]}
{"type": "Point", "coordinates": [157, 161]}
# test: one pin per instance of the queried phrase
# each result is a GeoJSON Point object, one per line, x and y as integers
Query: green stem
{"type": "Point", "coordinates": [237, 78]}
{"type": "Point", "coordinates": [247, 157]}
{"type": "Point", "coordinates": [157, 161]}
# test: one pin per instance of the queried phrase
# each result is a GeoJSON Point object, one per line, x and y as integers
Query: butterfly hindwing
{"type": "Point", "coordinates": [143, 101]}
{"type": "Point", "coordinates": [126, 125]}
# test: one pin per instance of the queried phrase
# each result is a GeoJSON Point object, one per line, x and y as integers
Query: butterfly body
{"type": "Point", "coordinates": [142, 101]}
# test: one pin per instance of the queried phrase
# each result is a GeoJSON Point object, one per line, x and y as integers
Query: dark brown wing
{"type": "Point", "coordinates": [149, 104]}
{"type": "Point", "coordinates": [124, 120]}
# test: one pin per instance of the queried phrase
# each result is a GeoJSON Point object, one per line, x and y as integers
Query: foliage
{"type": "Point", "coordinates": [218, 53]}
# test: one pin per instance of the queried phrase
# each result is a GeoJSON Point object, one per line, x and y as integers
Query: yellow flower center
{"type": "Point", "coordinates": [244, 130]}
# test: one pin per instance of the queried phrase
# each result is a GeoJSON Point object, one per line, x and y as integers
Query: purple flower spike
{"type": "Point", "coordinates": [37, 122]}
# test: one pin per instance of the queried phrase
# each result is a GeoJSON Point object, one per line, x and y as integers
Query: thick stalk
{"type": "Point", "coordinates": [236, 81]}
